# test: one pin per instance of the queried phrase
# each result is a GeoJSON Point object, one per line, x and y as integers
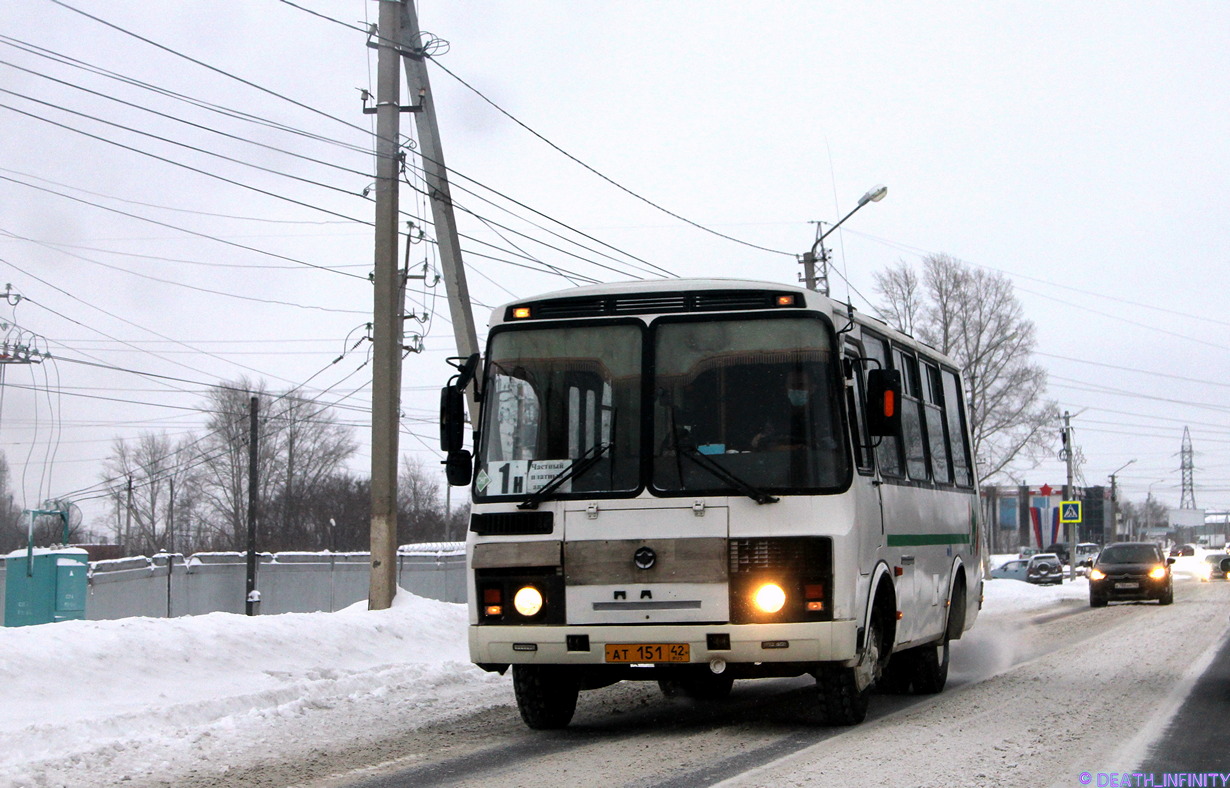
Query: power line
{"type": "Point", "coordinates": [614, 183]}
{"type": "Point", "coordinates": [235, 114]}
{"type": "Point", "coordinates": [185, 285]}
{"type": "Point", "coordinates": [175, 163]}
{"type": "Point", "coordinates": [167, 116]}
{"type": "Point", "coordinates": [205, 65]}
{"type": "Point", "coordinates": [347, 222]}
{"type": "Point", "coordinates": [182, 229]}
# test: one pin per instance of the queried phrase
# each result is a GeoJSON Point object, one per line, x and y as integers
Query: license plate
{"type": "Point", "coordinates": [1127, 585]}
{"type": "Point", "coordinates": [648, 652]}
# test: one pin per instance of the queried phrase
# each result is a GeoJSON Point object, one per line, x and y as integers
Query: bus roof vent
{"type": "Point", "coordinates": [651, 303]}
{"type": "Point", "coordinates": [711, 300]}
{"type": "Point", "coordinates": [558, 308]}
{"type": "Point", "coordinates": [654, 304]}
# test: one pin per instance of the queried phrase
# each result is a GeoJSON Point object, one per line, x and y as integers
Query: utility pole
{"type": "Point", "coordinates": [387, 318]}
{"type": "Point", "coordinates": [819, 283]}
{"type": "Point", "coordinates": [128, 517]}
{"type": "Point", "coordinates": [252, 598]}
{"type": "Point", "coordinates": [1114, 502]}
{"type": "Point", "coordinates": [1069, 454]}
{"type": "Point", "coordinates": [809, 259]}
{"type": "Point", "coordinates": [436, 175]}
{"type": "Point", "coordinates": [1114, 511]}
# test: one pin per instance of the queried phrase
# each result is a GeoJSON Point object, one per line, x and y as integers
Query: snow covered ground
{"type": "Point", "coordinates": [105, 702]}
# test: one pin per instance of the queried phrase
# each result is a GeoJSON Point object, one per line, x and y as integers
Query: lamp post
{"type": "Point", "coordinates": [1114, 502]}
{"type": "Point", "coordinates": [1149, 505]}
{"type": "Point", "coordinates": [810, 259]}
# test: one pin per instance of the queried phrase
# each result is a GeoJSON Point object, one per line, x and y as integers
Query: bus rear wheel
{"type": "Point", "coordinates": [546, 695]}
{"type": "Point", "coordinates": [931, 668]}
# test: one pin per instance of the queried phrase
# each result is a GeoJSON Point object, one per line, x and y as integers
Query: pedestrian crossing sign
{"type": "Point", "coordinates": [1070, 512]}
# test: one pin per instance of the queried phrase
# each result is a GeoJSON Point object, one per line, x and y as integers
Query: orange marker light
{"type": "Point", "coordinates": [785, 300]}
{"type": "Point", "coordinates": [495, 610]}
{"type": "Point", "coordinates": [890, 404]}
{"type": "Point", "coordinates": [521, 312]}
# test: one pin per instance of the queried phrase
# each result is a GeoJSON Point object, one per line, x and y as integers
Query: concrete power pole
{"type": "Point", "coordinates": [387, 322]}
{"type": "Point", "coordinates": [1068, 490]}
{"type": "Point", "coordinates": [436, 175]}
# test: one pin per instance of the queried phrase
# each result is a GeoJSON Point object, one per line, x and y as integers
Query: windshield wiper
{"type": "Point", "coordinates": [686, 448]}
{"type": "Point", "coordinates": [704, 461]}
{"type": "Point", "coordinates": [579, 466]}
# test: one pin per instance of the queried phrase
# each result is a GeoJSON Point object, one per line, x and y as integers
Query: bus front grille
{"type": "Point", "coordinates": [778, 554]}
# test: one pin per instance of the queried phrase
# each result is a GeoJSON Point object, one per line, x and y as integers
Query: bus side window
{"type": "Point", "coordinates": [911, 415]}
{"type": "Point", "coordinates": [933, 410]}
{"type": "Point", "coordinates": [856, 398]}
{"type": "Point", "coordinates": [958, 438]}
{"type": "Point", "coordinates": [888, 452]}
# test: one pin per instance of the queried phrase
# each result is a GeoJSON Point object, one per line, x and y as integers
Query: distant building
{"type": "Point", "coordinates": [1028, 517]}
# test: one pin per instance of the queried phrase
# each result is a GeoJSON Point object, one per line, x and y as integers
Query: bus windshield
{"type": "Point", "coordinates": [746, 404]}
{"type": "Point", "coordinates": [559, 396]}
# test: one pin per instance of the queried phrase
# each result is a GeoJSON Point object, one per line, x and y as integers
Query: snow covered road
{"type": "Point", "coordinates": [1042, 689]}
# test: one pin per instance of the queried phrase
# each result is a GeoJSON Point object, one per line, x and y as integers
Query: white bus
{"type": "Point", "coordinates": [696, 481]}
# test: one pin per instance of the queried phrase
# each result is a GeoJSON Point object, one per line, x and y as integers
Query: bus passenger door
{"type": "Point", "coordinates": [866, 487]}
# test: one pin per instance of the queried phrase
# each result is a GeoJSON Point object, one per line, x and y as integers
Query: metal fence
{"type": "Point", "coordinates": [175, 585]}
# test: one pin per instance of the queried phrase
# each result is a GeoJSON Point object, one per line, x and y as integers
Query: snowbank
{"type": "Point", "coordinates": [78, 693]}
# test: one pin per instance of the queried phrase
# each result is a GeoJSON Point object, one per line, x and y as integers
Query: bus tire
{"type": "Point", "coordinates": [931, 668]}
{"type": "Point", "coordinates": [898, 675]}
{"type": "Point", "coordinates": [699, 686]}
{"type": "Point", "coordinates": [845, 692]}
{"type": "Point", "coordinates": [546, 695]}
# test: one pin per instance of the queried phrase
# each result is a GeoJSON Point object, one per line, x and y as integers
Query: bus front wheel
{"type": "Point", "coordinates": [845, 692]}
{"type": "Point", "coordinates": [546, 695]}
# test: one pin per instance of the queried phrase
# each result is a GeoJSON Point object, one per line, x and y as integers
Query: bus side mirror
{"type": "Point", "coordinates": [459, 467]}
{"type": "Point", "coordinates": [452, 419]}
{"type": "Point", "coordinates": [883, 402]}
{"type": "Point", "coordinates": [458, 462]}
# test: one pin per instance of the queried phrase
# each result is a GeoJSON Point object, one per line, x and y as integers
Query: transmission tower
{"type": "Point", "coordinates": [1188, 500]}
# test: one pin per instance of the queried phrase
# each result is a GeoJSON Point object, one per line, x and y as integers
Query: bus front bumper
{"type": "Point", "coordinates": [827, 641]}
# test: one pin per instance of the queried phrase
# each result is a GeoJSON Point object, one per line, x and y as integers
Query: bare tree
{"type": "Point", "coordinates": [902, 305]}
{"type": "Point", "coordinates": [144, 479]}
{"type": "Point", "coordinates": [420, 507]}
{"type": "Point", "coordinates": [307, 446]}
{"type": "Point", "coordinates": [300, 447]}
{"type": "Point", "coordinates": [975, 317]}
{"type": "Point", "coordinates": [12, 530]}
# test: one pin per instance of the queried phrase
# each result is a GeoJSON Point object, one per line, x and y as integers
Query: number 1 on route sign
{"type": "Point", "coordinates": [1070, 512]}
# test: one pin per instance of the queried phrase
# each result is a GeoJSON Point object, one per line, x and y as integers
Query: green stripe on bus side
{"type": "Point", "coordinates": [910, 540]}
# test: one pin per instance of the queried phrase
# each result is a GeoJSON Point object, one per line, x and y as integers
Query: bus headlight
{"type": "Point", "coordinates": [528, 601]}
{"type": "Point", "coordinates": [769, 598]}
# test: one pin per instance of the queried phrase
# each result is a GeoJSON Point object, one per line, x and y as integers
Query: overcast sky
{"type": "Point", "coordinates": [1079, 148]}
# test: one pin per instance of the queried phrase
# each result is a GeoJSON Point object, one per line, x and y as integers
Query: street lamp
{"type": "Point", "coordinates": [1114, 501]}
{"type": "Point", "coordinates": [1149, 505]}
{"type": "Point", "coordinates": [875, 194]}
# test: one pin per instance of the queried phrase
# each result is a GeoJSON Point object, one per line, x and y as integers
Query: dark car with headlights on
{"type": "Point", "coordinates": [1130, 571]}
